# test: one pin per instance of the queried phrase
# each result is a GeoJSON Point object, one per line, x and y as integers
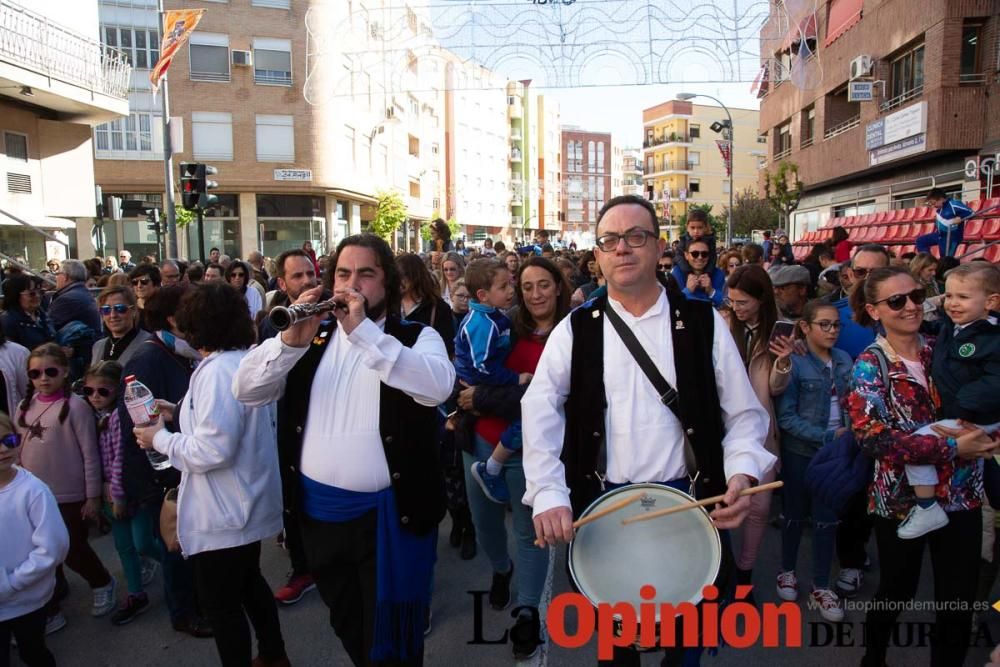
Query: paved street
{"type": "Point", "coordinates": [149, 641]}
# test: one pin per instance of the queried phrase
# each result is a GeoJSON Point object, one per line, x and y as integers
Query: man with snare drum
{"type": "Point", "coordinates": [593, 420]}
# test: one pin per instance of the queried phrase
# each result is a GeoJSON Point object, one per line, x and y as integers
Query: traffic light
{"type": "Point", "coordinates": [195, 186]}
{"type": "Point", "coordinates": [153, 220]}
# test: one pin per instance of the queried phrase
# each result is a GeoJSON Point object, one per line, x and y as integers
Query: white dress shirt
{"type": "Point", "coordinates": [341, 445]}
{"type": "Point", "coordinates": [644, 438]}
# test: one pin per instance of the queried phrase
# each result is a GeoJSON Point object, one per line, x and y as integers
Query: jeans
{"type": "Point", "coordinates": [231, 588]}
{"type": "Point", "coordinates": [488, 517]}
{"type": "Point", "coordinates": [29, 631]}
{"type": "Point", "coordinates": [955, 555]}
{"type": "Point", "coordinates": [134, 535]}
{"type": "Point", "coordinates": [799, 504]}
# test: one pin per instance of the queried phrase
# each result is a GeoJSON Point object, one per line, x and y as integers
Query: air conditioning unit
{"type": "Point", "coordinates": [861, 66]}
{"type": "Point", "coordinates": [242, 58]}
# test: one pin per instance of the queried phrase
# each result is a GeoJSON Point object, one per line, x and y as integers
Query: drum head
{"type": "Point", "coordinates": [677, 554]}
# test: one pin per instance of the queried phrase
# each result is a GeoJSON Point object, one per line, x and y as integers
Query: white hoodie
{"type": "Point", "coordinates": [34, 542]}
{"type": "Point", "coordinates": [230, 492]}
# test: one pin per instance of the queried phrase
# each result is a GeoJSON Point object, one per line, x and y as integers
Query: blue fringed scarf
{"type": "Point", "coordinates": [404, 565]}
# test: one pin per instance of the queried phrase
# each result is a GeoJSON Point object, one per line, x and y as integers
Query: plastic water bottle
{"type": "Point", "coordinates": [141, 405]}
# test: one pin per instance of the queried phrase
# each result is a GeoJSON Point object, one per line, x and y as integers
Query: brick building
{"type": "Point", "coordinates": [934, 66]}
{"type": "Point", "coordinates": [587, 171]}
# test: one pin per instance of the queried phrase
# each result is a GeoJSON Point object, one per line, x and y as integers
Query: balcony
{"type": "Point", "coordinates": [515, 155]}
{"type": "Point", "coordinates": [515, 136]}
{"type": "Point", "coordinates": [840, 128]}
{"type": "Point", "coordinates": [973, 78]}
{"type": "Point", "coordinates": [901, 99]}
{"type": "Point", "coordinates": [65, 71]}
{"type": "Point", "coordinates": [516, 198]}
{"type": "Point", "coordinates": [672, 138]}
{"type": "Point", "coordinates": [517, 221]}
{"type": "Point", "coordinates": [671, 167]}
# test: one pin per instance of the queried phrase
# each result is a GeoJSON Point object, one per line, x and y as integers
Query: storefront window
{"type": "Point", "coordinates": [221, 233]}
{"type": "Point", "coordinates": [281, 234]}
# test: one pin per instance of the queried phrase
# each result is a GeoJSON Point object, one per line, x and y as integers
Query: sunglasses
{"type": "Point", "coordinates": [237, 274]}
{"type": "Point", "coordinates": [698, 254]}
{"type": "Point", "coordinates": [861, 274]}
{"type": "Point", "coordinates": [141, 281]}
{"type": "Point", "coordinates": [103, 392]}
{"type": "Point", "coordinates": [898, 301]}
{"type": "Point", "coordinates": [11, 441]}
{"type": "Point", "coordinates": [120, 308]}
{"type": "Point", "coordinates": [827, 326]}
{"type": "Point", "coordinates": [51, 372]}
{"type": "Point", "coordinates": [666, 266]}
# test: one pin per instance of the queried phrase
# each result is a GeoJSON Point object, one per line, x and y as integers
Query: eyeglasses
{"type": "Point", "coordinates": [634, 238]}
{"type": "Point", "coordinates": [141, 281]}
{"type": "Point", "coordinates": [104, 392]}
{"type": "Point", "coordinates": [666, 266]}
{"type": "Point", "coordinates": [698, 254]}
{"type": "Point", "coordinates": [459, 295]}
{"type": "Point", "coordinates": [11, 441]}
{"type": "Point", "coordinates": [898, 301]}
{"type": "Point", "coordinates": [861, 274]}
{"type": "Point", "coordinates": [827, 325]}
{"type": "Point", "coordinates": [51, 372]}
{"type": "Point", "coordinates": [119, 308]}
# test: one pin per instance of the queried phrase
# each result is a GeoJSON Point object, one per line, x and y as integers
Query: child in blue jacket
{"type": "Point", "coordinates": [482, 345]}
{"type": "Point", "coordinates": [951, 213]}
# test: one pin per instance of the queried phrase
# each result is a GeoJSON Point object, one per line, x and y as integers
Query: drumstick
{"type": "Point", "coordinates": [700, 503]}
{"type": "Point", "coordinates": [625, 502]}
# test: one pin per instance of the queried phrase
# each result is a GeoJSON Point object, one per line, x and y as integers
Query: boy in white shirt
{"type": "Point", "coordinates": [35, 541]}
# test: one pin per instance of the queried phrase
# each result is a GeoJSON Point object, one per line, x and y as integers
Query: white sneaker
{"type": "Point", "coordinates": [149, 569]}
{"type": "Point", "coordinates": [922, 520]}
{"type": "Point", "coordinates": [849, 581]}
{"type": "Point", "coordinates": [105, 599]}
{"type": "Point", "coordinates": [55, 623]}
{"type": "Point", "coordinates": [788, 586]}
{"type": "Point", "coordinates": [828, 604]}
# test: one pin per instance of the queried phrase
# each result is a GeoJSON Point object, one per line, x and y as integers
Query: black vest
{"type": "Point", "coordinates": [696, 389]}
{"type": "Point", "coordinates": [408, 430]}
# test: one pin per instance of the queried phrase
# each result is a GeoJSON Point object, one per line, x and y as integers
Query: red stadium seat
{"type": "Point", "coordinates": [936, 251]}
{"type": "Point", "coordinates": [976, 204]}
{"type": "Point", "coordinates": [991, 229]}
{"type": "Point", "coordinates": [906, 234]}
{"type": "Point", "coordinates": [907, 248]}
{"type": "Point", "coordinates": [961, 249]}
{"type": "Point", "coordinates": [974, 228]}
{"type": "Point", "coordinates": [883, 217]}
{"type": "Point", "coordinates": [990, 204]}
{"type": "Point", "coordinates": [882, 234]}
{"type": "Point", "coordinates": [971, 248]}
{"type": "Point", "coordinates": [925, 213]}
{"type": "Point", "coordinates": [992, 253]}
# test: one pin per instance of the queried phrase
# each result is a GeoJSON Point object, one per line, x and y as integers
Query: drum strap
{"type": "Point", "coordinates": [668, 395]}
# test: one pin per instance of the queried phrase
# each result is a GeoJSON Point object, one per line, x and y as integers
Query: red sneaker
{"type": "Point", "coordinates": [295, 589]}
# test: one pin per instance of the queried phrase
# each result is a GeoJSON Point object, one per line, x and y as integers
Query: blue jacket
{"type": "Point", "coordinates": [75, 303]}
{"type": "Point", "coordinates": [718, 284]}
{"type": "Point", "coordinates": [20, 328]}
{"type": "Point", "coordinates": [482, 345]}
{"type": "Point", "coordinates": [853, 338]}
{"type": "Point", "coordinates": [803, 411]}
{"type": "Point", "coordinates": [952, 208]}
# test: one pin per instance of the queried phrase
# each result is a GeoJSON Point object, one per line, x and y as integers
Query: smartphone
{"type": "Point", "coordinates": [781, 329]}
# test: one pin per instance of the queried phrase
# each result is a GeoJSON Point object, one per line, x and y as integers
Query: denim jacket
{"type": "Point", "coordinates": [804, 408]}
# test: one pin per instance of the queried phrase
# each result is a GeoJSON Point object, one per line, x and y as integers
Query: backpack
{"type": "Point", "coordinates": [840, 469]}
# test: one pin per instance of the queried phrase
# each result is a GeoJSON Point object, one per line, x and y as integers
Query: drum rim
{"type": "Point", "coordinates": [634, 487]}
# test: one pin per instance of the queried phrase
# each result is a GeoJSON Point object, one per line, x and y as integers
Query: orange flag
{"type": "Point", "coordinates": [178, 24]}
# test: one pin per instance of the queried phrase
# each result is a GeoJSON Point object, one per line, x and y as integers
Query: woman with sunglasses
{"type": "Point", "coordinates": [452, 268]}
{"type": "Point", "coordinates": [24, 320]}
{"type": "Point", "coordinates": [811, 413]}
{"type": "Point", "coordinates": [238, 275]}
{"type": "Point", "coordinates": [117, 307]}
{"type": "Point", "coordinates": [145, 280]}
{"type": "Point", "coordinates": [886, 408]}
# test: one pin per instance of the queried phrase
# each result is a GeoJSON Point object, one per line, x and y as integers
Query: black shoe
{"type": "Point", "coordinates": [500, 589]}
{"type": "Point", "coordinates": [526, 635]}
{"type": "Point", "coordinates": [745, 578]}
{"type": "Point", "coordinates": [455, 538]}
{"type": "Point", "coordinates": [468, 544]}
{"type": "Point", "coordinates": [134, 605]}
{"type": "Point", "coordinates": [195, 627]}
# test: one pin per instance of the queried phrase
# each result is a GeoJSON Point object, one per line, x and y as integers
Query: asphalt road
{"type": "Point", "coordinates": [150, 641]}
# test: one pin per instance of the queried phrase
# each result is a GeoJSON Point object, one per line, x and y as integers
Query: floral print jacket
{"type": "Point", "coordinates": [884, 422]}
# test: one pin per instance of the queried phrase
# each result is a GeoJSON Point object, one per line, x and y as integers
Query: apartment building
{"type": "Point", "coordinates": [631, 172]}
{"type": "Point", "coordinates": [56, 81]}
{"type": "Point", "coordinates": [587, 171]}
{"type": "Point", "coordinates": [549, 191]}
{"type": "Point", "coordinates": [477, 145]}
{"type": "Point", "coordinates": [906, 102]}
{"type": "Point", "coordinates": [683, 164]}
{"type": "Point", "coordinates": [299, 106]}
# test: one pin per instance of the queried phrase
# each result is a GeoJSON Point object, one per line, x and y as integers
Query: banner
{"type": "Point", "coordinates": [725, 148]}
{"type": "Point", "coordinates": [178, 24]}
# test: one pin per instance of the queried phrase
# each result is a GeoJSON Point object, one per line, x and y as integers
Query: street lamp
{"type": "Point", "coordinates": [729, 217]}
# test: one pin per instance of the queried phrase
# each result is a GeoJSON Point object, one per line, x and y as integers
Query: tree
{"type": "Point", "coordinates": [390, 214]}
{"type": "Point", "coordinates": [784, 196]}
{"type": "Point", "coordinates": [183, 216]}
{"type": "Point", "coordinates": [750, 212]}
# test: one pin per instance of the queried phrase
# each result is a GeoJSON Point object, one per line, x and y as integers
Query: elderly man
{"type": "Point", "coordinates": [791, 289]}
{"type": "Point", "coordinates": [610, 426]}
{"type": "Point", "coordinates": [256, 261]}
{"type": "Point", "coordinates": [72, 300]}
{"type": "Point", "coordinates": [125, 262]}
{"type": "Point", "coordinates": [170, 273]}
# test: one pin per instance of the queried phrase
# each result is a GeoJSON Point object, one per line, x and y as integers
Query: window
{"type": "Point", "coordinates": [140, 46]}
{"type": "Point", "coordinates": [783, 140]}
{"type": "Point", "coordinates": [970, 72]}
{"type": "Point", "coordinates": [694, 158]}
{"type": "Point", "coordinates": [848, 210]}
{"type": "Point", "coordinates": [808, 126]}
{"type": "Point", "coordinates": [272, 4]}
{"type": "Point", "coordinates": [726, 187]}
{"type": "Point", "coordinates": [695, 131]}
{"type": "Point", "coordinates": [414, 106]}
{"type": "Point", "coordinates": [694, 185]}
{"type": "Point", "coordinates": [275, 139]}
{"type": "Point", "coordinates": [435, 148]}
{"type": "Point", "coordinates": [600, 157]}
{"type": "Point", "coordinates": [272, 61]}
{"type": "Point", "coordinates": [591, 156]}
{"type": "Point", "coordinates": [761, 138]}
{"type": "Point", "coordinates": [212, 135]}
{"type": "Point", "coordinates": [350, 138]}
{"type": "Point", "coordinates": [16, 146]}
{"type": "Point", "coordinates": [137, 137]}
{"type": "Point", "coordinates": [209, 54]}
{"type": "Point", "coordinates": [907, 73]}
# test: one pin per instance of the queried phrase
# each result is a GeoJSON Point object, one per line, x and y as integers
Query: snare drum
{"type": "Point", "coordinates": [678, 554]}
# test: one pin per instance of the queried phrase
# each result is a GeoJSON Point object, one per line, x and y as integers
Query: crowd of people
{"type": "Point", "coordinates": [477, 382]}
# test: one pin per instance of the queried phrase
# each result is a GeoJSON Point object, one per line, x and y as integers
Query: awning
{"type": "Point", "coordinates": [41, 223]}
{"type": "Point", "coordinates": [843, 14]}
{"type": "Point", "coordinates": [806, 29]}
{"type": "Point", "coordinates": [352, 195]}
